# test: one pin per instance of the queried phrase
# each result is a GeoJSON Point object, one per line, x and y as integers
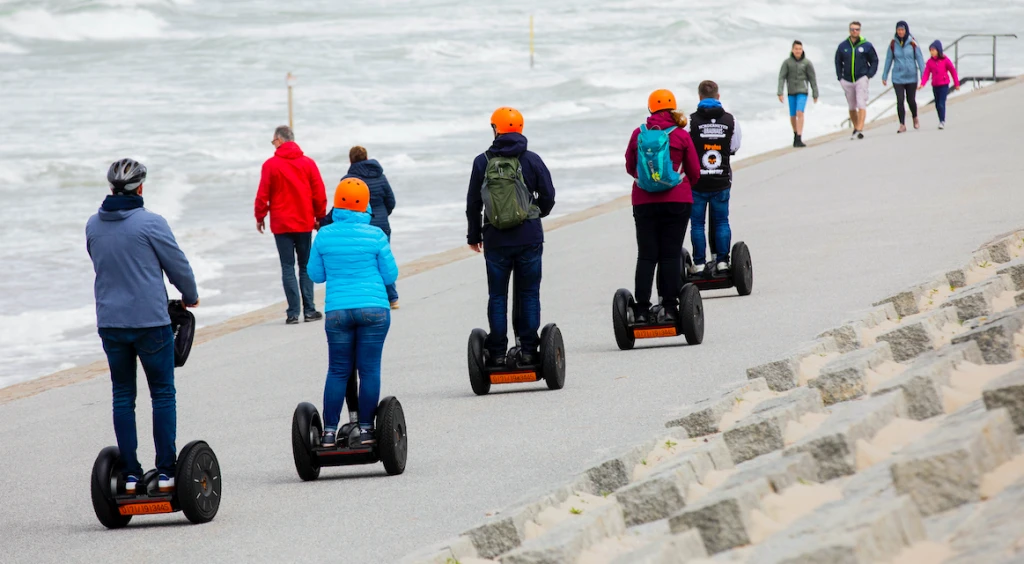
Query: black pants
{"type": "Point", "coordinates": [660, 229]}
{"type": "Point", "coordinates": [908, 91]}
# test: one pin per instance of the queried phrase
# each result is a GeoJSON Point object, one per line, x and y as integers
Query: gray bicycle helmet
{"type": "Point", "coordinates": [126, 175]}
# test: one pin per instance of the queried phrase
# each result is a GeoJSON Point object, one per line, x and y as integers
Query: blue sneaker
{"type": "Point", "coordinates": [131, 484]}
{"type": "Point", "coordinates": [366, 437]}
{"type": "Point", "coordinates": [165, 484]}
{"type": "Point", "coordinates": [329, 439]}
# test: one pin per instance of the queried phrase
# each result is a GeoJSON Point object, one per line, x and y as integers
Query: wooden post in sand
{"type": "Point", "coordinates": [290, 80]}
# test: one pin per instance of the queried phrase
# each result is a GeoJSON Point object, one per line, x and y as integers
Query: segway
{"type": "Point", "coordinates": [689, 322]}
{"type": "Point", "coordinates": [197, 493]}
{"type": "Point", "coordinates": [740, 273]}
{"type": "Point", "coordinates": [549, 366]}
{"type": "Point", "coordinates": [310, 455]}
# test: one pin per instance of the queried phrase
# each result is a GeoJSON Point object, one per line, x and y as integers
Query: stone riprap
{"type": "Point", "coordinates": [1014, 270]}
{"type": "Point", "coordinates": [715, 497]}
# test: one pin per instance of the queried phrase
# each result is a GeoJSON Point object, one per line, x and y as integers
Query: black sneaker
{"type": "Point", "coordinates": [497, 361]}
{"type": "Point", "coordinates": [799, 142]}
{"type": "Point", "coordinates": [668, 316]}
{"type": "Point", "coordinates": [292, 321]}
{"type": "Point", "coordinates": [315, 316]}
{"type": "Point", "coordinates": [640, 315]}
{"type": "Point", "coordinates": [860, 135]}
{"type": "Point", "coordinates": [527, 359]}
{"type": "Point", "coordinates": [329, 439]}
{"type": "Point", "coordinates": [366, 437]}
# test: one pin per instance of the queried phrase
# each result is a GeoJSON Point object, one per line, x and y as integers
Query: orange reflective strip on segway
{"type": "Point", "coordinates": [145, 508]}
{"type": "Point", "coordinates": [513, 377]}
{"type": "Point", "coordinates": [655, 332]}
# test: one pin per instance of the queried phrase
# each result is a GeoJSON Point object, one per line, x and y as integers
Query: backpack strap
{"type": "Point", "coordinates": [643, 128]}
{"type": "Point", "coordinates": [671, 129]}
{"type": "Point", "coordinates": [489, 155]}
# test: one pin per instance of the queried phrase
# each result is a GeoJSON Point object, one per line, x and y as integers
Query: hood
{"type": "Point", "coordinates": [905, 26]}
{"type": "Point", "coordinates": [289, 150]}
{"type": "Point", "coordinates": [116, 215]}
{"type": "Point", "coordinates": [119, 207]}
{"type": "Point", "coordinates": [937, 45]}
{"type": "Point", "coordinates": [661, 120]}
{"type": "Point", "coordinates": [710, 107]}
{"type": "Point", "coordinates": [366, 169]}
{"type": "Point", "coordinates": [509, 145]}
{"type": "Point", "coordinates": [349, 216]}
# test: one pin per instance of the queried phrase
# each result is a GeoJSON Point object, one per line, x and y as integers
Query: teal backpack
{"type": "Point", "coordinates": [654, 170]}
{"type": "Point", "coordinates": [507, 200]}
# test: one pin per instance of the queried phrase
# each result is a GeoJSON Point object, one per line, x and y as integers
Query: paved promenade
{"type": "Point", "coordinates": [831, 228]}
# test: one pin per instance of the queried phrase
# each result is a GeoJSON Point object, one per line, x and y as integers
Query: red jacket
{"type": "Point", "coordinates": [684, 159]}
{"type": "Point", "coordinates": [291, 190]}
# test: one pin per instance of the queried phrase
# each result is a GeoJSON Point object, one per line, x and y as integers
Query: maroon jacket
{"type": "Point", "coordinates": [684, 156]}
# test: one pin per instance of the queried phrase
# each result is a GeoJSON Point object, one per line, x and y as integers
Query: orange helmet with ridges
{"type": "Point", "coordinates": [352, 194]}
{"type": "Point", "coordinates": [661, 100]}
{"type": "Point", "coordinates": [507, 120]}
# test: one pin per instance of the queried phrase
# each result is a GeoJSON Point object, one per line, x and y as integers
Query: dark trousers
{"type": "Point", "coordinates": [154, 346]}
{"type": "Point", "coordinates": [289, 247]}
{"type": "Point", "coordinates": [908, 92]}
{"type": "Point", "coordinates": [524, 262]}
{"type": "Point", "coordinates": [940, 92]}
{"type": "Point", "coordinates": [660, 229]}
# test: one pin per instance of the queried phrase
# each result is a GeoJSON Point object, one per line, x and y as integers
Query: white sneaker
{"type": "Point", "coordinates": [696, 268]}
{"type": "Point", "coordinates": [942, 125]}
{"type": "Point", "coordinates": [722, 266]}
{"type": "Point", "coordinates": [165, 484]}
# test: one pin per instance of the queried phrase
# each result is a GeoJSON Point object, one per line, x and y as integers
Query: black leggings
{"type": "Point", "coordinates": [908, 91]}
{"type": "Point", "coordinates": [660, 229]}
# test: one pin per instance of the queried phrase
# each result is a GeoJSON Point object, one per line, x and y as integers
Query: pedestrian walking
{"type": "Point", "coordinates": [796, 74]}
{"type": "Point", "coordinates": [382, 198]}
{"type": "Point", "coordinates": [856, 64]}
{"type": "Point", "coordinates": [904, 58]}
{"type": "Point", "coordinates": [292, 192]}
{"type": "Point", "coordinates": [939, 68]}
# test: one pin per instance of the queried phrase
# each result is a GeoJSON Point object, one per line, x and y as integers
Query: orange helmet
{"type": "Point", "coordinates": [352, 194]}
{"type": "Point", "coordinates": [661, 100]}
{"type": "Point", "coordinates": [507, 120]}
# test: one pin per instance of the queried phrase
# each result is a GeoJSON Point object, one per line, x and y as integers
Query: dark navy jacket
{"type": "Point", "coordinates": [856, 61]}
{"type": "Point", "coordinates": [538, 180]}
{"type": "Point", "coordinates": [382, 199]}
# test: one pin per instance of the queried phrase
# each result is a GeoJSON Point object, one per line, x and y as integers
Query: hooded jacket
{"type": "Point", "coordinates": [131, 248]}
{"type": "Point", "coordinates": [856, 60]}
{"type": "Point", "coordinates": [716, 136]}
{"type": "Point", "coordinates": [354, 259]}
{"type": "Point", "coordinates": [904, 58]}
{"type": "Point", "coordinates": [538, 181]}
{"type": "Point", "coordinates": [291, 190]}
{"type": "Point", "coordinates": [795, 75]}
{"type": "Point", "coordinates": [382, 199]}
{"type": "Point", "coordinates": [684, 159]}
{"type": "Point", "coordinates": [940, 68]}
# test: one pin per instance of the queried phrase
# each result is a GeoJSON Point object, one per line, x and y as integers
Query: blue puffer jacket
{"type": "Point", "coordinates": [355, 260]}
{"type": "Point", "coordinates": [382, 198]}
{"type": "Point", "coordinates": [904, 59]}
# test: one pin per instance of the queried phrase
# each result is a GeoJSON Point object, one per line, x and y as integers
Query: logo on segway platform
{"type": "Point", "coordinates": [655, 332]}
{"type": "Point", "coordinates": [145, 508]}
{"type": "Point", "coordinates": [712, 159]}
{"type": "Point", "coordinates": [513, 377]}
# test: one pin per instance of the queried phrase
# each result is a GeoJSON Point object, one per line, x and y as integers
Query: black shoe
{"type": "Point", "coordinates": [668, 316]}
{"type": "Point", "coordinates": [292, 321]}
{"type": "Point", "coordinates": [641, 315]}
{"type": "Point", "coordinates": [799, 142]}
{"type": "Point", "coordinates": [316, 316]}
{"type": "Point", "coordinates": [497, 361]}
{"type": "Point", "coordinates": [366, 437]}
{"type": "Point", "coordinates": [860, 135]}
{"type": "Point", "coordinates": [527, 359]}
{"type": "Point", "coordinates": [329, 439]}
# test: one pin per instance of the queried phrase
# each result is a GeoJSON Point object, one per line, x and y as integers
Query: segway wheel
{"type": "Point", "coordinates": [392, 440]}
{"type": "Point", "coordinates": [198, 482]}
{"type": "Point", "coordinates": [552, 352]}
{"type": "Point", "coordinates": [105, 472]}
{"type": "Point", "coordinates": [687, 263]}
{"type": "Point", "coordinates": [691, 314]}
{"type": "Point", "coordinates": [306, 432]}
{"type": "Point", "coordinates": [478, 377]}
{"type": "Point", "coordinates": [742, 269]}
{"type": "Point", "coordinates": [621, 304]}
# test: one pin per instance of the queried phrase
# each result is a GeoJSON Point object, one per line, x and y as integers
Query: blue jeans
{"type": "Point", "coordinates": [355, 341]}
{"type": "Point", "coordinates": [290, 246]}
{"type": "Point", "coordinates": [940, 92]}
{"type": "Point", "coordinates": [524, 261]}
{"type": "Point", "coordinates": [716, 205]}
{"type": "Point", "coordinates": [154, 346]}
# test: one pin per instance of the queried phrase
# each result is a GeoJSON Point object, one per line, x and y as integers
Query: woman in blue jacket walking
{"type": "Point", "coordinates": [905, 60]}
{"type": "Point", "coordinates": [355, 260]}
{"type": "Point", "coordinates": [382, 198]}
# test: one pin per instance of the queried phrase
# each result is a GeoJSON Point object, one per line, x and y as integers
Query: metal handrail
{"type": "Point", "coordinates": [956, 62]}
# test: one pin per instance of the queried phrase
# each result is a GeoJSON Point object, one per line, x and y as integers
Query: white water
{"type": "Point", "coordinates": [194, 90]}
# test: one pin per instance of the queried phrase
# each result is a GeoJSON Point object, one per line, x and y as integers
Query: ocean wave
{"type": "Point", "coordinates": [99, 25]}
{"type": "Point", "coordinates": [11, 49]}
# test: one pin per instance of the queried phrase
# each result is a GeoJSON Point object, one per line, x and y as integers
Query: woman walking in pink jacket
{"type": "Point", "coordinates": [940, 69]}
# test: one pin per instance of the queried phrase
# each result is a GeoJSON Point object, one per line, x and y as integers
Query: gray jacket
{"type": "Point", "coordinates": [130, 250]}
{"type": "Point", "coordinates": [796, 74]}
